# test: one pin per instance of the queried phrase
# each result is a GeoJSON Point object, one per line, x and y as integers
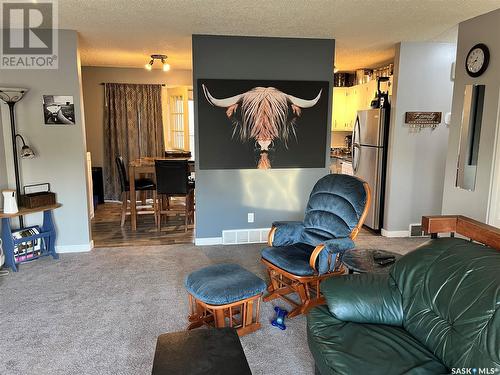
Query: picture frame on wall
{"type": "Point", "coordinates": [262, 124]}
{"type": "Point", "coordinates": [58, 110]}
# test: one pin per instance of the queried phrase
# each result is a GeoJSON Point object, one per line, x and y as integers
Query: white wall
{"type": "Point", "coordinates": [483, 29]}
{"type": "Point", "coordinates": [416, 159]}
{"type": "Point", "coordinates": [60, 149]}
{"type": "Point", "coordinates": [93, 96]}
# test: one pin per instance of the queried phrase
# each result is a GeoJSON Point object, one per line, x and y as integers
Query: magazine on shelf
{"type": "Point", "coordinates": [29, 249]}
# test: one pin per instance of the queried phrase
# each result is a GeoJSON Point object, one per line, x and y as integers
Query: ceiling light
{"type": "Point", "coordinates": [166, 65]}
{"type": "Point", "coordinates": [162, 58]}
{"type": "Point", "coordinates": [149, 65]}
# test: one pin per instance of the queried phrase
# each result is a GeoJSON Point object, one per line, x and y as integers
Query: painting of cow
{"type": "Point", "coordinates": [262, 124]}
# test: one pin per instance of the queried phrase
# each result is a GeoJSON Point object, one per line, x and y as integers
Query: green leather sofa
{"type": "Point", "coordinates": [437, 312]}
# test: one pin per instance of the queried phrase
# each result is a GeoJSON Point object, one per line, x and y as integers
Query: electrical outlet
{"type": "Point", "coordinates": [251, 217]}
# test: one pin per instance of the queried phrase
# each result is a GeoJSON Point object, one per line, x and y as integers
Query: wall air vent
{"type": "Point", "coordinates": [415, 230]}
{"type": "Point", "coordinates": [242, 236]}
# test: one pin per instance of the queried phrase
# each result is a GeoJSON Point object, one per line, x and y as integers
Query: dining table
{"type": "Point", "coordinates": [145, 165]}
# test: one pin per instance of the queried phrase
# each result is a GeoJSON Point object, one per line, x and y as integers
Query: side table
{"type": "Point", "coordinates": [199, 352]}
{"type": "Point", "coordinates": [364, 260]}
{"type": "Point", "coordinates": [47, 235]}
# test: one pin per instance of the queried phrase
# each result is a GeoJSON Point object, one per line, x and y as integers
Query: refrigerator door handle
{"type": "Point", "coordinates": [356, 151]}
{"type": "Point", "coordinates": [353, 137]}
{"type": "Point", "coordinates": [355, 145]}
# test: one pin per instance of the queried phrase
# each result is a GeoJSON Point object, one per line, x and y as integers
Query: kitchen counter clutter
{"type": "Point", "coordinates": [342, 153]}
{"type": "Point", "coordinates": [347, 158]}
{"type": "Point", "coordinates": [341, 161]}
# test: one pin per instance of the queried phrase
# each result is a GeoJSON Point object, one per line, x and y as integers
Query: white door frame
{"type": "Point", "coordinates": [493, 213]}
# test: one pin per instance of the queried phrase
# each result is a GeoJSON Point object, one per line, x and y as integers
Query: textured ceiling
{"type": "Point", "coordinates": [125, 32]}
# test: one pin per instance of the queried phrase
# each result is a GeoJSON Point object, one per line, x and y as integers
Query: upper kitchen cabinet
{"type": "Point", "coordinates": [347, 101]}
{"type": "Point", "coordinates": [339, 108]}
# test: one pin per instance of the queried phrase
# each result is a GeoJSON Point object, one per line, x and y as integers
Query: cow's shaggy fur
{"type": "Point", "coordinates": [265, 115]}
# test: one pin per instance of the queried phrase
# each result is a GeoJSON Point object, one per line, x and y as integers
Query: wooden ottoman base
{"type": "Point", "coordinates": [242, 315]}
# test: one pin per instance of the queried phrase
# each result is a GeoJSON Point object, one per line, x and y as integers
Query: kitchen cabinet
{"type": "Point", "coordinates": [339, 108]}
{"type": "Point", "coordinates": [347, 168]}
{"type": "Point", "coordinates": [343, 111]}
{"type": "Point", "coordinates": [347, 101]}
{"type": "Point", "coordinates": [340, 165]}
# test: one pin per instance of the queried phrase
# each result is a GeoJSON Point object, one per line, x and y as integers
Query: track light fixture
{"type": "Point", "coordinates": [162, 58]}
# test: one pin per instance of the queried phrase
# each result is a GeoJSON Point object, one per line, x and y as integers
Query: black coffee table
{"type": "Point", "coordinates": [363, 261]}
{"type": "Point", "coordinates": [200, 351]}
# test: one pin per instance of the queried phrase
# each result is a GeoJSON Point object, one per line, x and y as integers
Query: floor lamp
{"type": "Point", "coordinates": [11, 96]}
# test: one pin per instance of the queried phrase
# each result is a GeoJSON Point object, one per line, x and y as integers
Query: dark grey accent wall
{"type": "Point", "coordinates": [224, 197]}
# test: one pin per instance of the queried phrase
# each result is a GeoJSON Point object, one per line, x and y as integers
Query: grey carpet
{"type": "Point", "coordinates": [100, 312]}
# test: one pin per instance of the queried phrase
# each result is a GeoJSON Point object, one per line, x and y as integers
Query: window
{"type": "Point", "coordinates": [177, 121]}
{"type": "Point", "coordinates": [191, 126]}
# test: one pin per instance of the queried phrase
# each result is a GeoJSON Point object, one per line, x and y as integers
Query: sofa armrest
{"type": "Point", "coordinates": [285, 233]}
{"type": "Point", "coordinates": [365, 298]}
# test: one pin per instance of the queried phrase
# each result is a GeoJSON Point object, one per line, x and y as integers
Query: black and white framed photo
{"type": "Point", "coordinates": [58, 110]}
{"type": "Point", "coordinates": [261, 124]}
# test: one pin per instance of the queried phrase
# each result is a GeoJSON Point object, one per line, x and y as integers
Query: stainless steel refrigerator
{"type": "Point", "coordinates": [369, 158]}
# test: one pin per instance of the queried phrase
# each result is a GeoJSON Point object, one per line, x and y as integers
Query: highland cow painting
{"type": "Point", "coordinates": [245, 124]}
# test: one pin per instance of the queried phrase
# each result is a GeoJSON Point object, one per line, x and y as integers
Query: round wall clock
{"type": "Point", "coordinates": [477, 60]}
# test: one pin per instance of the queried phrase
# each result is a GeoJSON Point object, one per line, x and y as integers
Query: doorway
{"type": "Point", "coordinates": [178, 133]}
{"type": "Point", "coordinates": [494, 201]}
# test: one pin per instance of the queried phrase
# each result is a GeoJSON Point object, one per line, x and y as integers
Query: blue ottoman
{"type": "Point", "coordinates": [225, 295]}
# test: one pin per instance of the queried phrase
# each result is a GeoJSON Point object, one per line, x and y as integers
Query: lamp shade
{"type": "Point", "coordinates": [12, 94]}
{"type": "Point", "coordinates": [27, 152]}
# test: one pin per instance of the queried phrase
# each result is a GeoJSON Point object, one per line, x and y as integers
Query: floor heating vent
{"type": "Point", "coordinates": [242, 236]}
{"type": "Point", "coordinates": [415, 230]}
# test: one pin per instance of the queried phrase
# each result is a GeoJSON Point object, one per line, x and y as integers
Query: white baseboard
{"type": "Point", "coordinates": [395, 233]}
{"type": "Point", "coordinates": [75, 248]}
{"type": "Point", "coordinates": [208, 241]}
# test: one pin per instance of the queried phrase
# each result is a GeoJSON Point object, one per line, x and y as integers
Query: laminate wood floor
{"type": "Point", "coordinates": [106, 230]}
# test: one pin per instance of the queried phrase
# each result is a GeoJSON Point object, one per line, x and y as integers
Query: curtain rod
{"type": "Point", "coordinates": [103, 83]}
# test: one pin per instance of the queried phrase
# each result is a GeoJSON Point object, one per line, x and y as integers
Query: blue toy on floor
{"type": "Point", "coordinates": [280, 318]}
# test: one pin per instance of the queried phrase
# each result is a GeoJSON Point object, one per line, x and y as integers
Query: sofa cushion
{"type": "Point", "coordinates": [221, 284]}
{"type": "Point", "coordinates": [364, 298]}
{"type": "Point", "coordinates": [293, 258]}
{"type": "Point", "coordinates": [353, 348]}
{"type": "Point", "coordinates": [450, 298]}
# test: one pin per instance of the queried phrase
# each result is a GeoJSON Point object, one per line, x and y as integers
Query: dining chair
{"type": "Point", "coordinates": [172, 180]}
{"type": "Point", "coordinates": [142, 185]}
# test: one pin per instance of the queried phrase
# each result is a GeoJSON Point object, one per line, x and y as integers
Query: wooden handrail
{"type": "Point", "coordinates": [465, 226]}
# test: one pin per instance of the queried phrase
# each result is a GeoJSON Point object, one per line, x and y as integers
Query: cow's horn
{"type": "Point", "coordinates": [226, 102]}
{"type": "Point", "coordinates": [302, 103]}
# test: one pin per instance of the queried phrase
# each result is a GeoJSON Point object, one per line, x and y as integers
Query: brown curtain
{"type": "Point", "coordinates": [133, 128]}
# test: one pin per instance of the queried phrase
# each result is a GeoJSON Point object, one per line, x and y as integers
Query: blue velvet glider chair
{"type": "Point", "coordinates": [302, 254]}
